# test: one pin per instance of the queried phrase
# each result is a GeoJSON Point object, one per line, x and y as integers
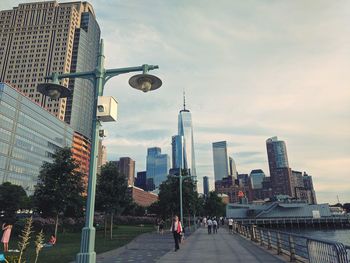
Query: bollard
{"type": "Point", "coordinates": [261, 237]}
{"type": "Point", "coordinates": [291, 248]}
{"type": "Point", "coordinates": [269, 240]}
{"type": "Point", "coordinates": [279, 247]}
{"type": "Point", "coordinates": [252, 233]}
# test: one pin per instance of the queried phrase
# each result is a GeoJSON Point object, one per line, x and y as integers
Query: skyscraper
{"type": "Point", "coordinates": [126, 166]}
{"type": "Point", "coordinates": [256, 178]}
{"type": "Point", "coordinates": [185, 130]}
{"type": "Point", "coordinates": [220, 160]}
{"type": "Point", "coordinates": [232, 167]}
{"type": "Point", "coordinates": [102, 156]}
{"type": "Point", "coordinates": [157, 166]}
{"type": "Point", "coordinates": [281, 174]}
{"type": "Point", "coordinates": [205, 186]}
{"type": "Point", "coordinates": [141, 180]}
{"type": "Point", "coordinates": [177, 144]}
{"type": "Point", "coordinates": [39, 38]}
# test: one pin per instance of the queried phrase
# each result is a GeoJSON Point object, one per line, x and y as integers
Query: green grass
{"type": "Point", "coordinates": [68, 244]}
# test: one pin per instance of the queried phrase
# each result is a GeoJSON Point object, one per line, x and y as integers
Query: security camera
{"type": "Point", "coordinates": [100, 108]}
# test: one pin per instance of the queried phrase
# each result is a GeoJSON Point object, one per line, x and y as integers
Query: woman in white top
{"type": "Point", "coordinates": [176, 228]}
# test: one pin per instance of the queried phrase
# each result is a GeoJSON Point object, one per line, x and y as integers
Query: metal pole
{"type": "Point", "coordinates": [87, 247]}
{"type": "Point", "coordinates": [181, 212]}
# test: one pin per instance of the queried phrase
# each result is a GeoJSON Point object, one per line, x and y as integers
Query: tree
{"type": "Point", "coordinates": [213, 205]}
{"type": "Point", "coordinates": [169, 197]}
{"type": "Point", "coordinates": [112, 195]}
{"type": "Point", "coordinates": [60, 186]}
{"type": "Point", "coordinates": [12, 198]}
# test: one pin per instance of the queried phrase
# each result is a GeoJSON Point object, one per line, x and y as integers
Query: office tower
{"type": "Point", "coordinates": [126, 166]}
{"type": "Point", "coordinates": [220, 160]}
{"type": "Point", "coordinates": [141, 180]}
{"type": "Point", "coordinates": [102, 156]}
{"type": "Point", "coordinates": [281, 174]}
{"type": "Point", "coordinates": [243, 179]}
{"type": "Point", "coordinates": [256, 178]}
{"type": "Point", "coordinates": [205, 186]}
{"type": "Point", "coordinates": [29, 135]}
{"type": "Point", "coordinates": [177, 144]}
{"type": "Point", "coordinates": [309, 187]}
{"type": "Point", "coordinates": [81, 149]}
{"type": "Point", "coordinates": [157, 166]}
{"type": "Point", "coordinates": [39, 38]}
{"type": "Point", "coordinates": [232, 167]}
{"type": "Point", "coordinates": [185, 129]}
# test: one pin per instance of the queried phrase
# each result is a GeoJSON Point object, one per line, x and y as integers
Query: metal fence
{"type": "Point", "coordinates": [296, 247]}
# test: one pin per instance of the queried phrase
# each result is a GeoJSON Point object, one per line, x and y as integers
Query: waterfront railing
{"type": "Point", "coordinates": [296, 247]}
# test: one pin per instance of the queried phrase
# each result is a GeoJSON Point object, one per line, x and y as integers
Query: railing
{"type": "Point", "coordinates": [296, 247]}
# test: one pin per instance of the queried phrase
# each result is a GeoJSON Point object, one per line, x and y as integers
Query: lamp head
{"type": "Point", "coordinates": [54, 91]}
{"type": "Point", "coordinates": [145, 82]}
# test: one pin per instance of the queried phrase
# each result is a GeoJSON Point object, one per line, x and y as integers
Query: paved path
{"type": "Point", "coordinates": [146, 248]}
{"type": "Point", "coordinates": [221, 247]}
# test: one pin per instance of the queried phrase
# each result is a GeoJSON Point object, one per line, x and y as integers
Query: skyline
{"type": "Point", "coordinates": [251, 70]}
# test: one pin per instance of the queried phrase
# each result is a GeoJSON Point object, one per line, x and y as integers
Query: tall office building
{"type": "Point", "coordinates": [29, 135]}
{"type": "Point", "coordinates": [157, 166]}
{"type": "Point", "coordinates": [281, 174]}
{"type": "Point", "coordinates": [39, 38]}
{"type": "Point", "coordinates": [126, 166]}
{"type": "Point", "coordinates": [177, 145]}
{"type": "Point", "coordinates": [184, 145]}
{"type": "Point", "coordinates": [256, 178]}
{"type": "Point", "coordinates": [141, 180]}
{"type": "Point", "coordinates": [102, 156]}
{"type": "Point", "coordinates": [205, 186]}
{"type": "Point", "coordinates": [220, 160]}
{"type": "Point", "coordinates": [232, 167]}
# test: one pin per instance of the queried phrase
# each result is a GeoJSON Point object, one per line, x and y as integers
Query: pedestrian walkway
{"type": "Point", "coordinates": [146, 248]}
{"type": "Point", "coordinates": [220, 247]}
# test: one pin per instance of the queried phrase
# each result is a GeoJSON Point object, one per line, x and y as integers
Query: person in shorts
{"type": "Point", "coordinates": [230, 225]}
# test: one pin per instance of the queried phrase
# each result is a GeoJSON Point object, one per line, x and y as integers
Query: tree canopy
{"type": "Point", "coordinates": [111, 191]}
{"type": "Point", "coordinates": [169, 198]}
{"type": "Point", "coordinates": [60, 186]}
{"type": "Point", "coordinates": [12, 198]}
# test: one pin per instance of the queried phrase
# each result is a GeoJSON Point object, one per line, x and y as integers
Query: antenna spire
{"type": "Point", "coordinates": [184, 101]}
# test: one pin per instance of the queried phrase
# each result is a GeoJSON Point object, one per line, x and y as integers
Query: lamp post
{"type": "Point", "coordinates": [181, 178]}
{"type": "Point", "coordinates": [98, 77]}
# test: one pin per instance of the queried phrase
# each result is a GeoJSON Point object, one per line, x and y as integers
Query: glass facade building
{"type": "Point", "coordinates": [29, 135]}
{"type": "Point", "coordinates": [220, 159]}
{"type": "Point", "coordinates": [157, 166]}
{"type": "Point", "coordinates": [256, 178]}
{"type": "Point", "coordinates": [79, 106]}
{"type": "Point", "coordinates": [185, 129]}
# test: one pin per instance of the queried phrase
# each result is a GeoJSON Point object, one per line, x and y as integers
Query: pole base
{"type": "Point", "coordinates": [87, 252]}
{"type": "Point", "coordinates": [86, 257]}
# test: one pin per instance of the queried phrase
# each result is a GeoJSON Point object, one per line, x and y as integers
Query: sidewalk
{"type": "Point", "coordinates": [221, 247]}
{"type": "Point", "coordinates": [146, 248]}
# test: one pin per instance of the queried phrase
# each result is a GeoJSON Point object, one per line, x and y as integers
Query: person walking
{"type": "Point", "coordinates": [210, 224]}
{"type": "Point", "coordinates": [215, 226]}
{"type": "Point", "coordinates": [161, 227]}
{"type": "Point", "coordinates": [6, 235]}
{"type": "Point", "coordinates": [176, 228]}
{"type": "Point", "coordinates": [230, 225]}
{"type": "Point", "coordinates": [204, 222]}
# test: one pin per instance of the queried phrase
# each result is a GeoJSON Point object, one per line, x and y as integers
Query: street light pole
{"type": "Point", "coordinates": [99, 77]}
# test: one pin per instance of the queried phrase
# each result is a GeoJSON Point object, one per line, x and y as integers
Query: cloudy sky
{"type": "Point", "coordinates": [250, 69]}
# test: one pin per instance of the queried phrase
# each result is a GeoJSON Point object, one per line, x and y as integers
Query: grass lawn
{"type": "Point", "coordinates": [68, 244]}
